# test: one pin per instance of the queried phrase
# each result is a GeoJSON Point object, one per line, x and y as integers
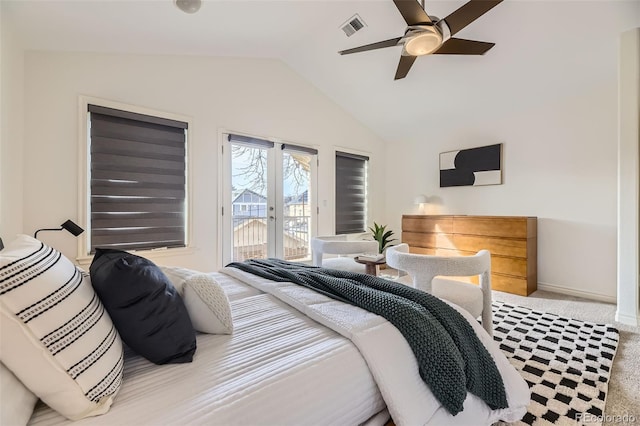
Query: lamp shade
{"type": "Point", "coordinates": [420, 199]}
{"type": "Point", "coordinates": [72, 227]}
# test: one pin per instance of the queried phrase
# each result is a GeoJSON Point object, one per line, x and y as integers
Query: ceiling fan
{"type": "Point", "coordinates": [429, 35]}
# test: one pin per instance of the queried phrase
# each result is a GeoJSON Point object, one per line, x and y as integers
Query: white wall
{"type": "Point", "coordinates": [559, 164]}
{"type": "Point", "coordinates": [11, 85]}
{"type": "Point", "coordinates": [256, 96]}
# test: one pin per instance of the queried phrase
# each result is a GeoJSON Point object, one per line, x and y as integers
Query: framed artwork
{"type": "Point", "coordinates": [471, 167]}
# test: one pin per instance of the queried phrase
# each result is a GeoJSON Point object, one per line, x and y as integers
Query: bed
{"type": "Point", "coordinates": [295, 357]}
{"type": "Point", "coordinates": [275, 355]}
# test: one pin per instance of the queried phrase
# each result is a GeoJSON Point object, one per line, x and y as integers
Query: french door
{"type": "Point", "coordinates": [269, 207]}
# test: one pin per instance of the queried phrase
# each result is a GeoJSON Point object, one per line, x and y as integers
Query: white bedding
{"type": "Point", "coordinates": [392, 362]}
{"type": "Point", "coordinates": [279, 367]}
{"type": "Point", "coordinates": [284, 366]}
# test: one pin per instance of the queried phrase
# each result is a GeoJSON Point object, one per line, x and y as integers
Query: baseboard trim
{"type": "Point", "coordinates": [628, 319]}
{"type": "Point", "coordinates": [572, 292]}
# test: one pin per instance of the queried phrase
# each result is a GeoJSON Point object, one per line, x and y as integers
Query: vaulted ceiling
{"type": "Point", "coordinates": [544, 49]}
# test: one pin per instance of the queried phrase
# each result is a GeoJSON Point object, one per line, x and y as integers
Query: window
{"type": "Point", "coordinates": [351, 193]}
{"type": "Point", "coordinates": [137, 180]}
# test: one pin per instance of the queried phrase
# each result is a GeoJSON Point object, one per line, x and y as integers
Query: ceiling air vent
{"type": "Point", "coordinates": [355, 23]}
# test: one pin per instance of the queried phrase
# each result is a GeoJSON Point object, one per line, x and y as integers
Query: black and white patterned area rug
{"type": "Point", "coordinates": [567, 363]}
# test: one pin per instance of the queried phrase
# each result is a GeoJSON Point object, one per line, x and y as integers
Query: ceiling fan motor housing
{"type": "Point", "coordinates": [444, 29]}
{"type": "Point", "coordinates": [425, 38]}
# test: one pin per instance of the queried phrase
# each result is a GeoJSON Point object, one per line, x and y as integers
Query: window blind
{"type": "Point", "coordinates": [351, 193]}
{"type": "Point", "coordinates": [137, 180]}
{"type": "Point", "coordinates": [250, 141]}
{"type": "Point", "coordinates": [298, 148]}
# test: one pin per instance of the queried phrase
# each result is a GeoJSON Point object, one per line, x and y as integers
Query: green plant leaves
{"type": "Point", "coordinates": [381, 235]}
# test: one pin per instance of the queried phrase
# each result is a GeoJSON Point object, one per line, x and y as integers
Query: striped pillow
{"type": "Point", "coordinates": [56, 336]}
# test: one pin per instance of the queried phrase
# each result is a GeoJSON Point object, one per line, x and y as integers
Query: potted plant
{"type": "Point", "coordinates": [381, 235]}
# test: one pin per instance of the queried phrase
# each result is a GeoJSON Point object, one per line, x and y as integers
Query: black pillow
{"type": "Point", "coordinates": [144, 306]}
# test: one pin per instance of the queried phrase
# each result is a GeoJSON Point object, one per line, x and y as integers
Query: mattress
{"type": "Point", "coordinates": [278, 368]}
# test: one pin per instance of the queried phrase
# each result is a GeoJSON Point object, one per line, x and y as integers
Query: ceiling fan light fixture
{"type": "Point", "coordinates": [427, 34]}
{"type": "Point", "coordinates": [188, 6]}
{"type": "Point", "coordinates": [423, 43]}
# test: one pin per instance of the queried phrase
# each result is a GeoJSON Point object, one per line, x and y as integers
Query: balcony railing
{"type": "Point", "coordinates": [250, 238]}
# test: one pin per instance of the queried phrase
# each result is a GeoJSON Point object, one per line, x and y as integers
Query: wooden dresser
{"type": "Point", "coordinates": [512, 241]}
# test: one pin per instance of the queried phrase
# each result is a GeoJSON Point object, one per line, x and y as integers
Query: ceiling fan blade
{"type": "Point", "coordinates": [372, 46]}
{"type": "Point", "coordinates": [412, 12]}
{"type": "Point", "coordinates": [468, 13]}
{"type": "Point", "coordinates": [460, 46]}
{"type": "Point", "coordinates": [404, 66]}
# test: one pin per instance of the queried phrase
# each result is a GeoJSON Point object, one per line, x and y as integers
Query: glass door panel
{"type": "Point", "coordinates": [249, 202]}
{"type": "Point", "coordinates": [296, 175]}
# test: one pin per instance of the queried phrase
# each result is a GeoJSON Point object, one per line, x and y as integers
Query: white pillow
{"type": "Point", "coordinates": [17, 401]}
{"type": "Point", "coordinates": [178, 276]}
{"type": "Point", "coordinates": [207, 304]}
{"type": "Point", "coordinates": [56, 336]}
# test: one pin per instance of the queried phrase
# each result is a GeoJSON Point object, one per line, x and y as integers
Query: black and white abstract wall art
{"type": "Point", "coordinates": [471, 167]}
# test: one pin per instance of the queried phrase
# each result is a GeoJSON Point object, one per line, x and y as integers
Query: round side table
{"type": "Point", "coordinates": [371, 265]}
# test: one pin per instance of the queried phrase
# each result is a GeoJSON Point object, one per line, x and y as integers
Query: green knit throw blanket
{"type": "Point", "coordinates": [451, 359]}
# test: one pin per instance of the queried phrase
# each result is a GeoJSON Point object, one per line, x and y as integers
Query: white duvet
{"type": "Point", "coordinates": [278, 368]}
{"type": "Point", "coordinates": [285, 366]}
{"type": "Point", "coordinates": [392, 362]}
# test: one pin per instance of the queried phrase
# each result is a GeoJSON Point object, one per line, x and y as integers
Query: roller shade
{"type": "Point", "coordinates": [298, 148]}
{"type": "Point", "coordinates": [351, 193]}
{"type": "Point", "coordinates": [250, 141]}
{"type": "Point", "coordinates": [138, 180]}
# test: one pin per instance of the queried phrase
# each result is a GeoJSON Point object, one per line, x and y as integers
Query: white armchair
{"type": "Point", "coordinates": [424, 269]}
{"type": "Point", "coordinates": [339, 245]}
